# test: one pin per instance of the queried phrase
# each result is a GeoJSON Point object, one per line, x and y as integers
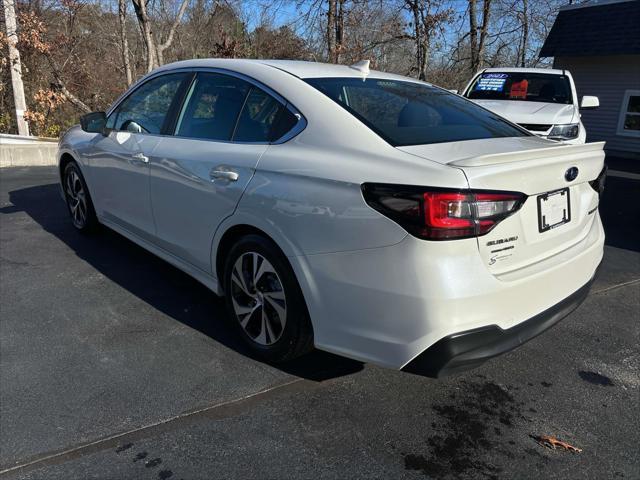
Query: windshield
{"type": "Point", "coordinates": [520, 86]}
{"type": "Point", "coordinates": [407, 113]}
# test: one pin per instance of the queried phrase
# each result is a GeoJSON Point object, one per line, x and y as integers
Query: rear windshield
{"type": "Point", "coordinates": [407, 113]}
{"type": "Point", "coordinates": [524, 87]}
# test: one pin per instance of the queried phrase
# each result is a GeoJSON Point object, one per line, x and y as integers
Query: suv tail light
{"type": "Point", "coordinates": [440, 214]}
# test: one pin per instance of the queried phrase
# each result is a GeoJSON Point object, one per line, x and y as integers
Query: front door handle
{"type": "Point", "coordinates": [223, 173]}
{"type": "Point", "coordinates": [140, 157]}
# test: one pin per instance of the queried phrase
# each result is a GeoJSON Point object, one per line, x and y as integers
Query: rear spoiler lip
{"type": "Point", "coordinates": [537, 153]}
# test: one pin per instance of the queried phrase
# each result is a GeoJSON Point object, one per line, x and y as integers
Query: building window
{"type": "Point", "coordinates": [629, 121]}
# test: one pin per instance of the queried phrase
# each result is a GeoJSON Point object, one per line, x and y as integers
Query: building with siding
{"type": "Point", "coordinates": [599, 43]}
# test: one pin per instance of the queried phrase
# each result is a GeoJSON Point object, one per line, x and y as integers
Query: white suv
{"type": "Point", "coordinates": [542, 100]}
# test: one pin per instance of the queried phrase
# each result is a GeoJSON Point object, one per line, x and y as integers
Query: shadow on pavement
{"type": "Point", "coordinates": [179, 296]}
{"type": "Point", "coordinates": [156, 282]}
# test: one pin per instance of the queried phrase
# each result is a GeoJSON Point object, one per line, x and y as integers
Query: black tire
{"type": "Point", "coordinates": [296, 338]}
{"type": "Point", "coordinates": [78, 199]}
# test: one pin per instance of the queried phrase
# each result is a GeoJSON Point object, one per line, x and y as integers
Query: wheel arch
{"type": "Point", "coordinates": [65, 159]}
{"type": "Point", "coordinates": [230, 236]}
{"type": "Point", "coordinates": [226, 242]}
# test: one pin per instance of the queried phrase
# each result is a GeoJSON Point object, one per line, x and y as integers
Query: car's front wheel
{"type": "Point", "coordinates": [78, 199]}
{"type": "Point", "coordinates": [265, 300]}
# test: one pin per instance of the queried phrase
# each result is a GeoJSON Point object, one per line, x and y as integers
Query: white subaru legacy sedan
{"type": "Point", "coordinates": [366, 214]}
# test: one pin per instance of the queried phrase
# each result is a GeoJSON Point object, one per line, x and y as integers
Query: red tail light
{"type": "Point", "coordinates": [439, 214]}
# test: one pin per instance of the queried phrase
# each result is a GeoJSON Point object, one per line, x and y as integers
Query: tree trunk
{"type": "Point", "coordinates": [140, 6]}
{"type": "Point", "coordinates": [339, 30]}
{"type": "Point", "coordinates": [525, 33]}
{"type": "Point", "coordinates": [331, 32]}
{"type": "Point", "coordinates": [15, 66]}
{"type": "Point", "coordinates": [473, 38]}
{"type": "Point", "coordinates": [484, 29]}
{"type": "Point", "coordinates": [420, 36]}
{"type": "Point", "coordinates": [124, 43]}
{"type": "Point", "coordinates": [422, 71]}
{"type": "Point", "coordinates": [415, 10]}
{"type": "Point", "coordinates": [167, 43]}
{"type": "Point", "coordinates": [478, 35]}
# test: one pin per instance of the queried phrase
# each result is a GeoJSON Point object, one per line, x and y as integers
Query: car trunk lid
{"type": "Point", "coordinates": [559, 210]}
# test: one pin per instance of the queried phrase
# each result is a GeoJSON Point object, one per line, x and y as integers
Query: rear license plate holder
{"type": "Point", "coordinates": [554, 209]}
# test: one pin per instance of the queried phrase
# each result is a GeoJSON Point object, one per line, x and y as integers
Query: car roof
{"type": "Point", "coordinates": [304, 69]}
{"type": "Point", "coordinates": [549, 71]}
{"type": "Point", "coordinates": [297, 68]}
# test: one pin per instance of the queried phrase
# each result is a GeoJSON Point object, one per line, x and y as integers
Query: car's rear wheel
{"type": "Point", "coordinates": [78, 199]}
{"type": "Point", "coordinates": [265, 301]}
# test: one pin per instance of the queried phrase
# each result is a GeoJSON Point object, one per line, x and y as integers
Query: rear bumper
{"type": "Point", "coordinates": [466, 350]}
{"type": "Point", "coordinates": [390, 305]}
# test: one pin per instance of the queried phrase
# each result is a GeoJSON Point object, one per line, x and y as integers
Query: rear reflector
{"type": "Point", "coordinates": [439, 214]}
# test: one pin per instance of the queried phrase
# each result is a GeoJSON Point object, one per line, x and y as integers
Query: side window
{"type": "Point", "coordinates": [257, 118]}
{"type": "Point", "coordinates": [285, 121]}
{"type": "Point", "coordinates": [145, 110]}
{"type": "Point", "coordinates": [212, 107]}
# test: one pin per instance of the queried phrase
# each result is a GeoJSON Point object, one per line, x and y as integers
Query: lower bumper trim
{"type": "Point", "coordinates": [469, 349]}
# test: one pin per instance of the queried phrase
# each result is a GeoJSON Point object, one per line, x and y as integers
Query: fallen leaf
{"type": "Point", "coordinates": [553, 443]}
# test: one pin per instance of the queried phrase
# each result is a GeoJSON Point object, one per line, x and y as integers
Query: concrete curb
{"type": "Point", "coordinates": [28, 154]}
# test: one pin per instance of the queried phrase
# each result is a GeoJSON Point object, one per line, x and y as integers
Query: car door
{"type": "Point", "coordinates": [198, 175]}
{"type": "Point", "coordinates": [120, 160]}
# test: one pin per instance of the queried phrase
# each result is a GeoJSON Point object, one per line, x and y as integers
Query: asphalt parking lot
{"type": "Point", "coordinates": [115, 365]}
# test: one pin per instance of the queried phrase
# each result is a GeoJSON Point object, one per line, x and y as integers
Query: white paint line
{"type": "Point", "coordinates": [613, 287]}
{"type": "Point", "coordinates": [145, 427]}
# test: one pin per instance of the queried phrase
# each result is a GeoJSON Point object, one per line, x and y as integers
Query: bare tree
{"type": "Point", "coordinates": [428, 18]}
{"type": "Point", "coordinates": [172, 31]}
{"type": "Point", "coordinates": [335, 29]}
{"type": "Point", "coordinates": [339, 28]}
{"type": "Point", "coordinates": [525, 34]}
{"type": "Point", "coordinates": [16, 66]}
{"type": "Point", "coordinates": [60, 39]}
{"type": "Point", "coordinates": [422, 44]}
{"type": "Point", "coordinates": [478, 33]}
{"type": "Point", "coordinates": [124, 43]}
{"type": "Point", "coordinates": [155, 50]}
{"type": "Point", "coordinates": [59, 84]}
{"type": "Point", "coordinates": [140, 7]}
{"type": "Point", "coordinates": [331, 32]}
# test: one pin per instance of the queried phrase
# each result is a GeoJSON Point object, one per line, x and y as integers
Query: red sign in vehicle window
{"type": "Point", "coordinates": [519, 90]}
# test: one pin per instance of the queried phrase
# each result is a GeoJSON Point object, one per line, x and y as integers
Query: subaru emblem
{"type": "Point", "coordinates": [571, 174]}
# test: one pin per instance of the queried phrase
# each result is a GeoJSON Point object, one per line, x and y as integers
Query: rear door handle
{"type": "Point", "coordinates": [223, 173]}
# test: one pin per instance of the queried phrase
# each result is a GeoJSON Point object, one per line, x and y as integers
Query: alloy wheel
{"type": "Point", "coordinates": [76, 199]}
{"type": "Point", "coordinates": [258, 298]}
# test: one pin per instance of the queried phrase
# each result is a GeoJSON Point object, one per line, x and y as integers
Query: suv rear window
{"type": "Point", "coordinates": [407, 113]}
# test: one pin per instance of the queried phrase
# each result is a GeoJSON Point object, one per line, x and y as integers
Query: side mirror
{"type": "Point", "coordinates": [454, 90]}
{"type": "Point", "coordinates": [94, 122]}
{"type": "Point", "coordinates": [589, 102]}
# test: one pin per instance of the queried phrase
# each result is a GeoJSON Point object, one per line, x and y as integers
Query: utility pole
{"type": "Point", "coordinates": [16, 66]}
